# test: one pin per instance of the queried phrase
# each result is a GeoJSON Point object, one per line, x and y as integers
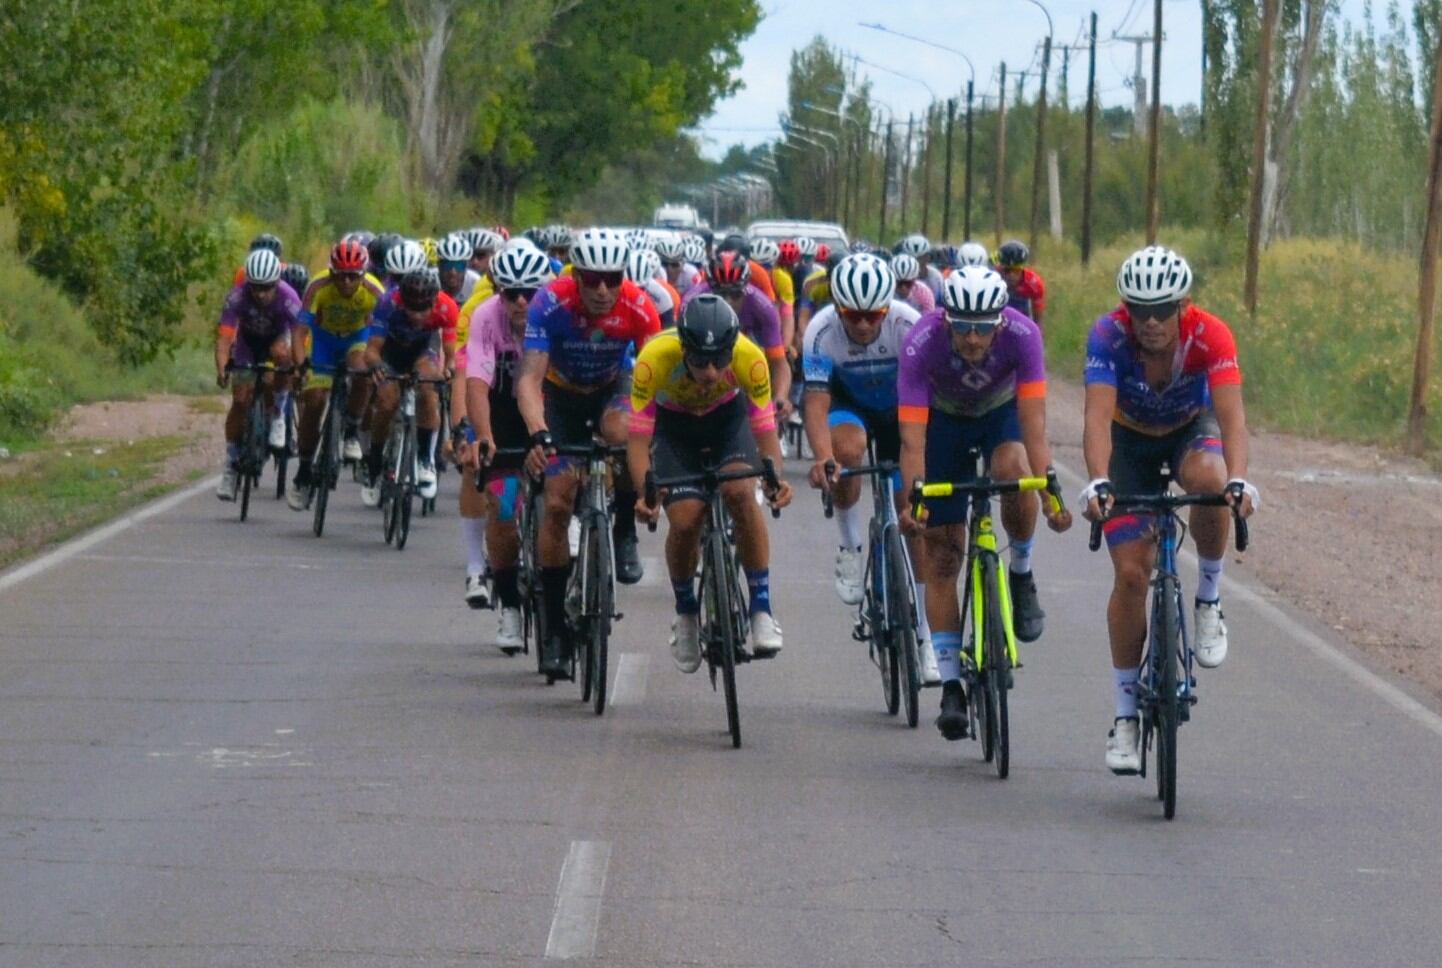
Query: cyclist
{"type": "Point", "coordinates": [1163, 386]}
{"type": "Point", "coordinates": [265, 241]}
{"type": "Point", "coordinates": [852, 349]}
{"type": "Point", "coordinates": [973, 375]}
{"type": "Point", "coordinates": [458, 279]}
{"type": "Point", "coordinates": [972, 254]}
{"type": "Point", "coordinates": [1028, 292]}
{"type": "Point", "coordinates": [672, 251]}
{"type": "Point", "coordinates": [577, 334]}
{"type": "Point", "coordinates": [760, 277]}
{"type": "Point", "coordinates": [643, 267]}
{"type": "Point", "coordinates": [765, 253]}
{"type": "Point", "coordinates": [256, 324]}
{"type": "Point", "coordinates": [413, 330]}
{"type": "Point", "coordinates": [336, 313]}
{"type": "Point", "coordinates": [703, 386]}
{"type": "Point", "coordinates": [485, 243]}
{"type": "Point", "coordinates": [907, 271]}
{"type": "Point", "coordinates": [402, 259]}
{"type": "Point", "coordinates": [492, 360]}
{"type": "Point", "coordinates": [918, 247]}
{"type": "Point", "coordinates": [556, 239]}
{"type": "Point", "coordinates": [729, 277]}
{"type": "Point", "coordinates": [296, 276]}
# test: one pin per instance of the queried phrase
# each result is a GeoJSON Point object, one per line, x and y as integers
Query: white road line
{"type": "Point", "coordinates": [1395, 697]}
{"type": "Point", "coordinates": [85, 542]}
{"type": "Point", "coordinates": [578, 900]}
{"type": "Point", "coordinates": [630, 686]}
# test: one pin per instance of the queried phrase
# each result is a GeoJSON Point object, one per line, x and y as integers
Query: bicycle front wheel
{"type": "Point", "coordinates": [997, 667]}
{"type": "Point", "coordinates": [405, 487]}
{"type": "Point", "coordinates": [722, 623]}
{"type": "Point", "coordinates": [1166, 657]}
{"type": "Point", "coordinates": [599, 607]}
{"type": "Point", "coordinates": [904, 608]}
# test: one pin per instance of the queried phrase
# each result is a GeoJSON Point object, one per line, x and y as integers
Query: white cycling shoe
{"type": "Point", "coordinates": [295, 495]}
{"type": "Point", "coordinates": [1124, 756]}
{"type": "Point", "coordinates": [351, 450]}
{"type": "Point", "coordinates": [277, 433]}
{"type": "Point", "coordinates": [930, 674]}
{"type": "Point", "coordinates": [229, 482]}
{"type": "Point", "coordinates": [765, 634]}
{"type": "Point", "coordinates": [686, 642]}
{"type": "Point", "coordinates": [848, 576]}
{"type": "Point", "coordinates": [508, 638]}
{"type": "Point", "coordinates": [1211, 635]}
{"type": "Point", "coordinates": [426, 481]}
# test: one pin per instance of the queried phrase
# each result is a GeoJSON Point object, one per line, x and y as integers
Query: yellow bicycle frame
{"type": "Point", "coordinates": [986, 541]}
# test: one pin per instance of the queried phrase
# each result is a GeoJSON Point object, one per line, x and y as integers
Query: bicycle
{"type": "Point", "coordinates": [398, 465]}
{"type": "Point", "coordinates": [988, 675]}
{"type": "Point", "coordinates": [1166, 688]}
{"type": "Point", "coordinates": [723, 613]}
{"type": "Point", "coordinates": [887, 616]}
{"type": "Point", "coordinates": [443, 436]}
{"type": "Point", "coordinates": [591, 589]}
{"type": "Point", "coordinates": [327, 461]}
{"type": "Point", "coordinates": [282, 455]}
{"type": "Point", "coordinates": [255, 439]}
{"type": "Point", "coordinates": [528, 516]}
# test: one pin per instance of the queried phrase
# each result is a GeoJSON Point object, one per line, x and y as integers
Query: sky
{"type": "Point", "coordinates": [987, 31]}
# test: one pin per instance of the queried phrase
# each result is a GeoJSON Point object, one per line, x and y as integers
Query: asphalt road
{"type": "Point", "coordinates": [230, 744]}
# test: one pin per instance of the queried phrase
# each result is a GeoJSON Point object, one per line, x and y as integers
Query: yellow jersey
{"type": "Point", "coordinates": [662, 380]}
{"type": "Point", "coordinates": [785, 290]}
{"type": "Point", "coordinates": [484, 290]}
{"type": "Point", "coordinates": [325, 307]}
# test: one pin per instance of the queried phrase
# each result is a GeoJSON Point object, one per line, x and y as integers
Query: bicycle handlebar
{"type": "Point", "coordinates": [712, 478]}
{"type": "Point", "coordinates": [1171, 502]}
{"type": "Point", "coordinates": [882, 468]}
{"type": "Point", "coordinates": [267, 367]}
{"type": "Point", "coordinates": [987, 487]}
{"type": "Point", "coordinates": [503, 458]}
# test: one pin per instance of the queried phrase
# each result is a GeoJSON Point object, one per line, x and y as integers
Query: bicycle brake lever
{"type": "Point", "coordinates": [1243, 537]}
{"type": "Point", "coordinates": [1095, 541]}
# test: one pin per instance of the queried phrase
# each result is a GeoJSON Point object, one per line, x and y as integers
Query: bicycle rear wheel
{"type": "Point", "coordinates": [901, 596]}
{"type": "Point", "coordinates": [722, 624]}
{"type": "Point", "coordinates": [1167, 655]}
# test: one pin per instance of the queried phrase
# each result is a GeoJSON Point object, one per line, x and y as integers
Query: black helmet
{"type": "Point", "coordinates": [420, 288]}
{"type": "Point", "coordinates": [266, 241]}
{"type": "Point", "coordinates": [1013, 253]}
{"type": "Point", "coordinates": [834, 259]}
{"type": "Point", "coordinates": [294, 274]}
{"type": "Point", "coordinates": [708, 326]}
{"type": "Point", "coordinates": [378, 247]}
{"type": "Point", "coordinates": [734, 242]}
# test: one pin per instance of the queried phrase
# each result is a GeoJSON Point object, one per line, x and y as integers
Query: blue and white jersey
{"type": "Point", "coordinates": [861, 376]}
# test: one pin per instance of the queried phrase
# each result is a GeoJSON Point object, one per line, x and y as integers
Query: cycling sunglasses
{"type": "Point", "coordinates": [1161, 312]}
{"type": "Point", "coordinates": [348, 276]}
{"type": "Point", "coordinates": [965, 327]}
{"type": "Point", "coordinates": [260, 288]}
{"type": "Point", "coordinates": [516, 293]}
{"type": "Point", "coordinates": [729, 292]}
{"type": "Point", "coordinates": [857, 315]}
{"type": "Point", "coordinates": [702, 360]}
{"type": "Point", "coordinates": [453, 265]}
{"type": "Point", "coordinates": [671, 265]}
{"type": "Point", "coordinates": [593, 278]}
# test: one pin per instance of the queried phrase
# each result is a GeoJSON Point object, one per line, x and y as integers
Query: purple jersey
{"type": "Point", "coordinates": [934, 376]}
{"type": "Point", "coordinates": [758, 316]}
{"type": "Point", "coordinates": [247, 318]}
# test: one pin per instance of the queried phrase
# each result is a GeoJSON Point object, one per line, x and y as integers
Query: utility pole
{"type": "Point", "coordinates": [1154, 202]}
{"type": "Point", "coordinates": [1001, 156]}
{"type": "Point", "coordinates": [1086, 232]}
{"type": "Point", "coordinates": [1259, 153]}
{"type": "Point", "coordinates": [906, 172]}
{"type": "Point", "coordinates": [1427, 284]}
{"type": "Point", "coordinates": [966, 218]}
{"type": "Point", "coordinates": [926, 167]}
{"type": "Point", "coordinates": [946, 177]}
{"type": "Point", "coordinates": [1036, 173]}
{"type": "Point", "coordinates": [1202, 99]}
{"type": "Point", "coordinates": [1139, 86]}
{"type": "Point", "coordinates": [885, 174]}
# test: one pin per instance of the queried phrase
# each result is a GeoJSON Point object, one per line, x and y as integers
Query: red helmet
{"type": "Point", "coordinates": [729, 270]}
{"type": "Point", "coordinates": [502, 231]}
{"type": "Point", "coordinates": [790, 252]}
{"type": "Point", "coordinates": [823, 251]}
{"type": "Point", "coordinates": [349, 256]}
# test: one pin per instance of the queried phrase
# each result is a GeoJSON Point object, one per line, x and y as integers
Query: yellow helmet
{"type": "Point", "coordinates": [433, 253]}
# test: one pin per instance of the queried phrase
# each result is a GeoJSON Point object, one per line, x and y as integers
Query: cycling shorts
{"type": "Point", "coordinates": [403, 357]}
{"type": "Point", "coordinates": [573, 418]}
{"type": "Point", "coordinates": [252, 348]}
{"type": "Point", "coordinates": [1136, 467]}
{"type": "Point", "coordinates": [949, 442]}
{"type": "Point", "coordinates": [328, 351]}
{"type": "Point", "coordinates": [685, 443]}
{"type": "Point", "coordinates": [881, 428]}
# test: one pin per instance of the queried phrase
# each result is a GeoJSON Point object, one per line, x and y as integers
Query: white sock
{"type": "Point", "coordinates": [1125, 681]}
{"type": "Point", "coordinates": [923, 629]}
{"type": "Point", "coordinates": [473, 532]}
{"type": "Point", "coordinates": [281, 400]}
{"type": "Point", "coordinates": [1021, 556]}
{"type": "Point", "coordinates": [849, 522]}
{"type": "Point", "coordinates": [1211, 578]}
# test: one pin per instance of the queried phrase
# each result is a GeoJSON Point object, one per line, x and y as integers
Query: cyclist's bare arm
{"type": "Point", "coordinates": [478, 403]}
{"type": "Point", "coordinates": [1232, 419]}
{"type": "Point", "coordinates": [1101, 404]}
{"type": "Point", "coordinates": [224, 340]}
{"type": "Point", "coordinates": [1032, 415]}
{"type": "Point", "coordinates": [913, 466]}
{"type": "Point", "coordinates": [815, 408]}
{"type": "Point", "coordinates": [534, 364]}
{"type": "Point", "coordinates": [638, 461]}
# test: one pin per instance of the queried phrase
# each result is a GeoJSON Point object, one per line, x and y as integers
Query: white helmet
{"type": "Point", "coordinates": [974, 254]}
{"type": "Point", "coordinates": [862, 282]}
{"type": "Point", "coordinates": [905, 267]}
{"type": "Point", "coordinates": [485, 240]}
{"type": "Point", "coordinates": [455, 248]}
{"type": "Point", "coordinates": [671, 248]}
{"type": "Point", "coordinates": [765, 251]}
{"type": "Point", "coordinates": [974, 292]}
{"type": "Point", "coordinates": [638, 239]}
{"type": "Point", "coordinates": [406, 258]}
{"type": "Point", "coordinates": [642, 265]}
{"type": "Point", "coordinates": [1155, 274]}
{"type": "Point", "coordinates": [599, 250]}
{"type": "Point", "coordinates": [555, 236]}
{"type": "Point", "coordinates": [806, 245]}
{"type": "Point", "coordinates": [695, 249]}
{"type": "Point", "coordinates": [520, 242]}
{"type": "Point", "coordinates": [262, 267]}
{"type": "Point", "coordinates": [914, 245]}
{"type": "Point", "coordinates": [521, 267]}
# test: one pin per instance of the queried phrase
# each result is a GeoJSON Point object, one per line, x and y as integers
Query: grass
{"type": "Point", "coordinates": [59, 490]}
{"type": "Point", "coordinates": [1329, 354]}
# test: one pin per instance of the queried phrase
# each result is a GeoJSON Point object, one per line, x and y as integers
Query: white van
{"type": "Point", "coordinates": [827, 233]}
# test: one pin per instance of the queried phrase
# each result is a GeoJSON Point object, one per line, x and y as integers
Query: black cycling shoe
{"type": "Point", "coordinates": [953, 720]}
{"type": "Point", "coordinates": [628, 560]}
{"type": "Point", "coordinates": [555, 658]}
{"type": "Point", "coordinates": [1027, 618]}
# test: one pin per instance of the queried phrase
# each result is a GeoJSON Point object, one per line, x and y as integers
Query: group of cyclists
{"type": "Point", "coordinates": [691, 351]}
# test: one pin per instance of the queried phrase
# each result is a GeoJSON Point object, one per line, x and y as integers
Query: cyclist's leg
{"type": "Point", "coordinates": [387, 398]}
{"type": "Point", "coordinates": [278, 384]}
{"type": "Point", "coordinates": [360, 389]}
{"type": "Point", "coordinates": [615, 429]}
{"type": "Point", "coordinates": [325, 349]}
{"type": "Point", "coordinates": [428, 408]}
{"type": "Point", "coordinates": [475, 508]}
{"type": "Point", "coordinates": [848, 444]}
{"type": "Point", "coordinates": [1201, 468]}
{"type": "Point", "coordinates": [566, 417]}
{"type": "Point", "coordinates": [1007, 459]}
{"type": "Point", "coordinates": [503, 546]}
